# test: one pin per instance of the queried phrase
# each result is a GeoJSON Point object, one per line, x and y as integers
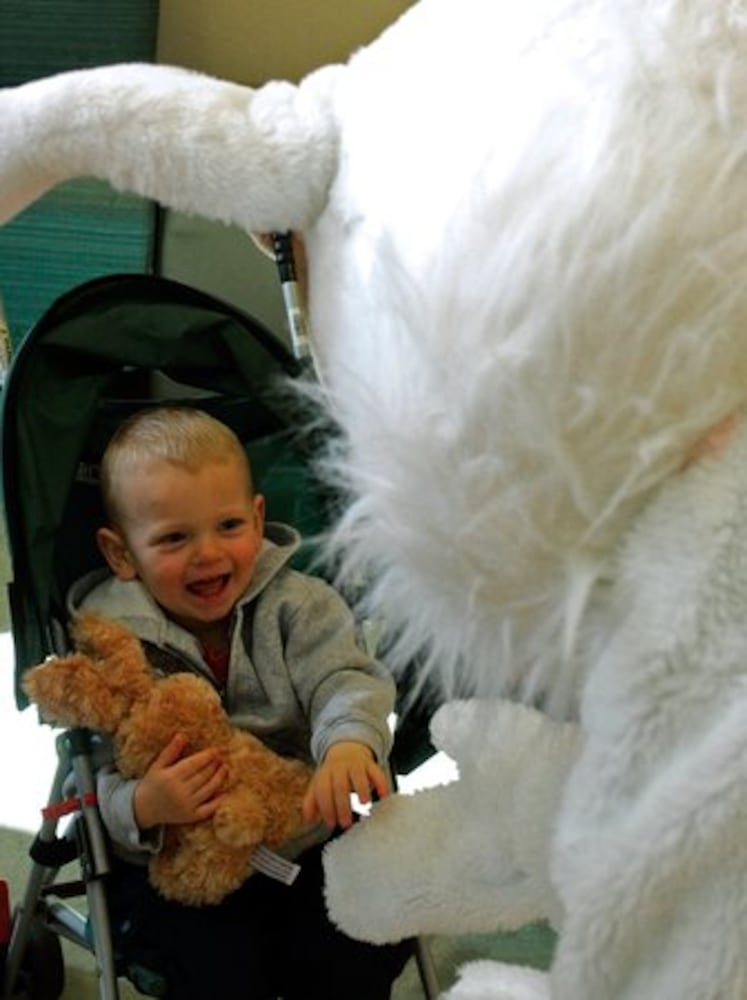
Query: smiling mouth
{"type": "Point", "coordinates": [209, 589]}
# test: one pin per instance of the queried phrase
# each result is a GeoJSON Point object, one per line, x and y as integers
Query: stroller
{"type": "Point", "coordinates": [105, 349]}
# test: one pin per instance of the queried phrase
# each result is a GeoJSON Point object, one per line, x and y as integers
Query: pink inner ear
{"type": "Point", "coordinates": [714, 441]}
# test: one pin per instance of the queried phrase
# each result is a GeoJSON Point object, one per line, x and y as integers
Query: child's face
{"type": "Point", "coordinates": [191, 538]}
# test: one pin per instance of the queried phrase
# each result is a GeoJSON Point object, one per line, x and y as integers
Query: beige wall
{"type": "Point", "coordinates": [251, 41]}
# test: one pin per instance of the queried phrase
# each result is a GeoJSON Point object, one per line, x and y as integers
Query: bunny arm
{"type": "Point", "coordinates": [484, 980]}
{"type": "Point", "coordinates": [469, 856]}
{"type": "Point", "coordinates": [262, 159]}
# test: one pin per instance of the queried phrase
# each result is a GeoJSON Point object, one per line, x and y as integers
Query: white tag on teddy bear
{"type": "Point", "coordinates": [266, 861]}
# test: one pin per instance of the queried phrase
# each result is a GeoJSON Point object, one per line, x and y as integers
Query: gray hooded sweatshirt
{"type": "Point", "coordinates": [297, 677]}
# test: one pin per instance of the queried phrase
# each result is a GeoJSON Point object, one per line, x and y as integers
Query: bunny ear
{"type": "Point", "coordinates": [73, 691]}
{"type": "Point", "coordinates": [261, 159]}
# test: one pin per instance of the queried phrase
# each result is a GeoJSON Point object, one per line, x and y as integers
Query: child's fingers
{"type": "Point", "coordinates": [197, 763]}
{"type": "Point", "coordinates": [379, 780]}
{"type": "Point", "coordinates": [325, 801]}
{"type": "Point", "coordinates": [172, 752]}
{"type": "Point", "coordinates": [343, 810]}
{"type": "Point", "coordinates": [328, 795]}
{"type": "Point", "coordinates": [309, 808]}
{"type": "Point", "coordinates": [325, 798]}
{"type": "Point", "coordinates": [212, 783]}
{"type": "Point", "coordinates": [360, 784]}
{"type": "Point", "coordinates": [367, 777]}
{"type": "Point", "coordinates": [204, 775]}
{"type": "Point", "coordinates": [336, 807]}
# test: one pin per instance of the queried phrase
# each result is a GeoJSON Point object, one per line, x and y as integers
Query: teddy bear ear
{"type": "Point", "coordinates": [261, 159]}
{"type": "Point", "coordinates": [116, 653]}
{"type": "Point", "coordinates": [72, 691]}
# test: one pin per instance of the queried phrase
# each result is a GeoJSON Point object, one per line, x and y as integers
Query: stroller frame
{"type": "Point", "coordinates": [40, 919]}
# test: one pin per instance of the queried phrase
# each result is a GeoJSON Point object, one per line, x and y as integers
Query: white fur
{"type": "Point", "coordinates": [651, 845]}
{"type": "Point", "coordinates": [527, 241]}
{"type": "Point", "coordinates": [494, 981]}
{"type": "Point", "coordinates": [648, 846]}
{"type": "Point", "coordinates": [477, 873]}
{"type": "Point", "coordinates": [513, 315]}
{"type": "Point", "coordinates": [257, 159]}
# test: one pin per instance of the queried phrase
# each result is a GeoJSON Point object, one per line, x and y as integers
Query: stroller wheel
{"type": "Point", "coordinates": [42, 974]}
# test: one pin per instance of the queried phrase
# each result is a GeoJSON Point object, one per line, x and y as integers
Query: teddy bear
{"type": "Point", "coordinates": [108, 685]}
{"type": "Point", "coordinates": [526, 241]}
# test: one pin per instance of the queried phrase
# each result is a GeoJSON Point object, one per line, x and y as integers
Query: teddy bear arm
{"type": "Point", "coordinates": [288, 781]}
{"type": "Point", "coordinates": [241, 818]}
{"type": "Point", "coordinates": [284, 820]}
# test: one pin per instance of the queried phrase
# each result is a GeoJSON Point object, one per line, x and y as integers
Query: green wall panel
{"type": "Point", "coordinates": [82, 229]}
{"type": "Point", "coordinates": [39, 37]}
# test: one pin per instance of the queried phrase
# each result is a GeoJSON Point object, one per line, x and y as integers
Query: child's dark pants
{"type": "Point", "coordinates": [266, 940]}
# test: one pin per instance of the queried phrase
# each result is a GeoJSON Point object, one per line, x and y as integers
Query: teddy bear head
{"type": "Point", "coordinates": [97, 686]}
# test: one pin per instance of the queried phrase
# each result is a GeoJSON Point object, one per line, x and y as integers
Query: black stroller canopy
{"type": "Point", "coordinates": [89, 361]}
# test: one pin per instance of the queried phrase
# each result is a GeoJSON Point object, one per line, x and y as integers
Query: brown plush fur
{"type": "Point", "coordinates": [108, 685]}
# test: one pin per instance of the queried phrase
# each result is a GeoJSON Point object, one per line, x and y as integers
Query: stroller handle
{"type": "Point", "coordinates": [297, 326]}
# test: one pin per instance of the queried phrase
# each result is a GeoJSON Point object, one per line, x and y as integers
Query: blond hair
{"type": "Point", "coordinates": [180, 435]}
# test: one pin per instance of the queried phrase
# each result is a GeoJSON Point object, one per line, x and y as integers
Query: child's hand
{"type": "Point", "coordinates": [177, 789]}
{"type": "Point", "coordinates": [347, 767]}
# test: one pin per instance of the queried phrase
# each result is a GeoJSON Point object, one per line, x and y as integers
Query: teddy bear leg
{"type": "Point", "coordinates": [198, 876]}
{"type": "Point", "coordinates": [240, 821]}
